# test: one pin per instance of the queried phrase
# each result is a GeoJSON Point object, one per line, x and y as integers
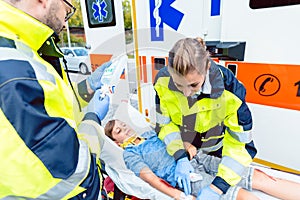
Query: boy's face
{"type": "Point", "coordinates": [121, 131]}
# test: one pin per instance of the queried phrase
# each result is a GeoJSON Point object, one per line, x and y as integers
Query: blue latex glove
{"type": "Point", "coordinates": [99, 105]}
{"type": "Point", "coordinates": [182, 174]}
{"type": "Point", "coordinates": [207, 193]}
{"type": "Point", "coordinates": [95, 78]}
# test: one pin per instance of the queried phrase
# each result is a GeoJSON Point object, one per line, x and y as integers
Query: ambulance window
{"type": "Point", "coordinates": [159, 63]}
{"type": "Point", "coordinates": [232, 68]}
{"type": "Point", "coordinates": [100, 13]}
{"type": "Point", "coordinates": [256, 4]}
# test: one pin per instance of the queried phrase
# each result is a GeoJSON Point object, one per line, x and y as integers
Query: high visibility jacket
{"type": "Point", "coordinates": [219, 122]}
{"type": "Point", "coordinates": [41, 154]}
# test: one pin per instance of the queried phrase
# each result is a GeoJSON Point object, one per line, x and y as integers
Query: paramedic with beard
{"type": "Point", "coordinates": [49, 149]}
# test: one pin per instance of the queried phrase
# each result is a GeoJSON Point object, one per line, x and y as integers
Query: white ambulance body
{"type": "Point", "coordinates": [259, 42]}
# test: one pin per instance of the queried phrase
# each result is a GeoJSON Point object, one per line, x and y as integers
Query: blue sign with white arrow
{"type": "Point", "coordinates": [162, 13]}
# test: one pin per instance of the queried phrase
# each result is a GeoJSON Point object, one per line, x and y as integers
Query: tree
{"type": "Point", "coordinates": [127, 14]}
{"type": "Point", "coordinates": [76, 19]}
{"type": "Point", "coordinates": [127, 21]}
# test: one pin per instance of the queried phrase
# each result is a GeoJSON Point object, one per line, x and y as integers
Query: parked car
{"type": "Point", "coordinates": [77, 59]}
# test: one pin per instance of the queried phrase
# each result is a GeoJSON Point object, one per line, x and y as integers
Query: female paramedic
{"type": "Point", "coordinates": [201, 105]}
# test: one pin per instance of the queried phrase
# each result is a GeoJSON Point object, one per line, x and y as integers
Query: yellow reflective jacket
{"type": "Point", "coordinates": [41, 155]}
{"type": "Point", "coordinates": [219, 123]}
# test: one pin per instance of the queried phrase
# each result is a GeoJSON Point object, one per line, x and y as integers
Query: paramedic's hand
{"type": "Point", "coordinates": [191, 149]}
{"type": "Point", "coordinates": [99, 105]}
{"type": "Point", "coordinates": [182, 174]}
{"type": "Point", "coordinates": [207, 193]}
{"type": "Point", "coordinates": [94, 79]}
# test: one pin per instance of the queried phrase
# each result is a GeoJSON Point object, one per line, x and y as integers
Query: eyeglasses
{"type": "Point", "coordinates": [71, 12]}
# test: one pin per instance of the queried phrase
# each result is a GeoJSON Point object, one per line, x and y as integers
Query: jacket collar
{"type": "Point", "coordinates": [216, 80]}
{"type": "Point", "coordinates": [22, 27]}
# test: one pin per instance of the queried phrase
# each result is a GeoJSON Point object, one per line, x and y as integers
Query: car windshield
{"type": "Point", "coordinates": [81, 52]}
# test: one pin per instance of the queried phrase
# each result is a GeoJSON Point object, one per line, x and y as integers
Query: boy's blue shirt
{"type": "Point", "coordinates": [151, 153]}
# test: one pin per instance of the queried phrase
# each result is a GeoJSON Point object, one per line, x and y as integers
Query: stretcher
{"type": "Point", "coordinates": [112, 156]}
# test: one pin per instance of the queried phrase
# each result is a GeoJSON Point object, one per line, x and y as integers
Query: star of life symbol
{"type": "Point", "coordinates": [99, 10]}
{"type": "Point", "coordinates": [157, 17]}
{"type": "Point", "coordinates": [162, 12]}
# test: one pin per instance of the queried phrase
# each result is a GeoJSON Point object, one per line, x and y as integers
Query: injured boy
{"type": "Point", "coordinates": [146, 155]}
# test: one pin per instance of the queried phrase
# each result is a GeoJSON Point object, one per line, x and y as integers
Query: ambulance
{"type": "Point", "coordinates": [257, 39]}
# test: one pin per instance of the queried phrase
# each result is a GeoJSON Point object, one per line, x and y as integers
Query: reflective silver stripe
{"type": "Point", "coordinates": [172, 136]}
{"type": "Point", "coordinates": [234, 165]}
{"type": "Point", "coordinates": [213, 148]}
{"type": "Point", "coordinates": [244, 137]}
{"type": "Point", "coordinates": [64, 187]}
{"type": "Point", "coordinates": [16, 198]}
{"type": "Point", "coordinates": [18, 54]}
{"type": "Point", "coordinates": [160, 119]}
{"type": "Point", "coordinates": [24, 48]}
